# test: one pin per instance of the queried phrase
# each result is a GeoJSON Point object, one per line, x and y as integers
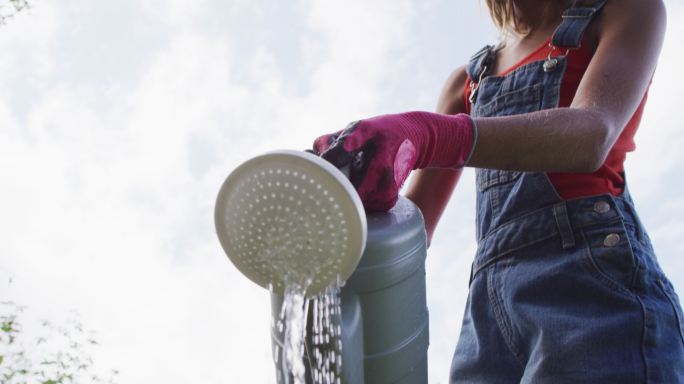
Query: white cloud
{"type": "Point", "coordinates": [114, 142]}
{"type": "Point", "coordinates": [653, 170]}
{"type": "Point", "coordinates": [113, 182]}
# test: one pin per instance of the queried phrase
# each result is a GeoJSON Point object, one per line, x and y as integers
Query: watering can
{"type": "Point", "coordinates": [274, 233]}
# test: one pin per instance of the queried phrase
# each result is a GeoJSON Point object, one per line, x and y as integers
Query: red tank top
{"type": "Point", "coordinates": [610, 177]}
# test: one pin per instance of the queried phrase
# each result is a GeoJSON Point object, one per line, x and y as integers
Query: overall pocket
{"type": "Point", "coordinates": [610, 256]}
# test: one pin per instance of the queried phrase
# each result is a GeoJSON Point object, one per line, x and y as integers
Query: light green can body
{"type": "Point", "coordinates": [384, 312]}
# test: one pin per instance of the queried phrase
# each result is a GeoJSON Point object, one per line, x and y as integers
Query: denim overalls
{"type": "Point", "coordinates": [561, 291]}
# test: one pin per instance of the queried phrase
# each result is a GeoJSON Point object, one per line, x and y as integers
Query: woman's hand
{"type": "Point", "coordinates": [381, 151]}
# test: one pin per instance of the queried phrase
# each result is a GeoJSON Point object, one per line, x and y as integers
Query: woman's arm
{"type": "Point", "coordinates": [431, 188]}
{"type": "Point", "coordinates": [578, 138]}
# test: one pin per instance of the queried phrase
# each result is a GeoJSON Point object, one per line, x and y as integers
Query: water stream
{"type": "Point", "coordinates": [323, 354]}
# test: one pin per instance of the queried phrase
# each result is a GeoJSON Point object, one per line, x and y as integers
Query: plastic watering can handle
{"type": "Point", "coordinates": [344, 169]}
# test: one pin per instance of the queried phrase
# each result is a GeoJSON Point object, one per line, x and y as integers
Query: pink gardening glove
{"type": "Point", "coordinates": [381, 151]}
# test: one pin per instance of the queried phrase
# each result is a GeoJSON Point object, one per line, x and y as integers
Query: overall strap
{"type": "Point", "coordinates": [480, 63]}
{"type": "Point", "coordinates": [569, 33]}
{"type": "Point", "coordinates": [478, 66]}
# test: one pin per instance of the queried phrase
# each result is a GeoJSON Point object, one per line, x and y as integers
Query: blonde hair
{"type": "Point", "coordinates": [504, 17]}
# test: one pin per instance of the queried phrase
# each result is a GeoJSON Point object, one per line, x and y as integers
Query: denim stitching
{"type": "Point", "coordinates": [569, 33]}
{"type": "Point", "coordinates": [632, 254]}
{"type": "Point", "coordinates": [595, 271]}
{"type": "Point", "coordinates": [486, 183]}
{"type": "Point", "coordinates": [675, 308]}
{"type": "Point", "coordinates": [643, 338]}
{"type": "Point", "coordinates": [488, 237]}
{"type": "Point", "coordinates": [499, 256]}
{"type": "Point", "coordinates": [512, 221]}
{"type": "Point", "coordinates": [501, 319]}
{"type": "Point", "coordinates": [495, 202]}
{"type": "Point", "coordinates": [521, 97]}
{"type": "Point", "coordinates": [560, 213]}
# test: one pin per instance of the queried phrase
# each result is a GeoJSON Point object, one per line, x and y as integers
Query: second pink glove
{"type": "Point", "coordinates": [381, 151]}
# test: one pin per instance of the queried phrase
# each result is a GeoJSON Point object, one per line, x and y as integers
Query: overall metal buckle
{"type": "Point", "coordinates": [475, 86]}
{"type": "Point", "coordinates": [551, 63]}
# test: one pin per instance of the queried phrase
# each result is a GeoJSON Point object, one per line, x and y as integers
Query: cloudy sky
{"type": "Point", "coordinates": [119, 120]}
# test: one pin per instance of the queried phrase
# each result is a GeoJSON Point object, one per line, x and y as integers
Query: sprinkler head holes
{"type": "Point", "coordinates": [290, 217]}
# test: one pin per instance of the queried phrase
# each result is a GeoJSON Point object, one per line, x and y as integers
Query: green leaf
{"type": "Point", "coordinates": [7, 327]}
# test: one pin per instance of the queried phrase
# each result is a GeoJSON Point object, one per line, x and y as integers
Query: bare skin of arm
{"type": "Point", "coordinates": [579, 138]}
{"type": "Point", "coordinates": [430, 189]}
{"type": "Point", "coordinates": [573, 139]}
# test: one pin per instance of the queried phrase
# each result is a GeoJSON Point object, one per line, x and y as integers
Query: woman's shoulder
{"type": "Point", "coordinates": [618, 15]}
{"type": "Point", "coordinates": [615, 14]}
{"type": "Point", "coordinates": [452, 97]}
{"type": "Point", "coordinates": [642, 8]}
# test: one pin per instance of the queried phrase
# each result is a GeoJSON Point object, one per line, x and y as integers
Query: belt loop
{"type": "Point", "coordinates": [560, 212]}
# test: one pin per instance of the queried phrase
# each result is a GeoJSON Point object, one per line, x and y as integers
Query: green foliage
{"type": "Point", "coordinates": [40, 352]}
{"type": "Point", "coordinates": [9, 8]}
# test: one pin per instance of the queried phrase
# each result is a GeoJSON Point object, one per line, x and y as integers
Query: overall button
{"type": "Point", "coordinates": [611, 240]}
{"type": "Point", "coordinates": [550, 64]}
{"type": "Point", "coordinates": [601, 207]}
